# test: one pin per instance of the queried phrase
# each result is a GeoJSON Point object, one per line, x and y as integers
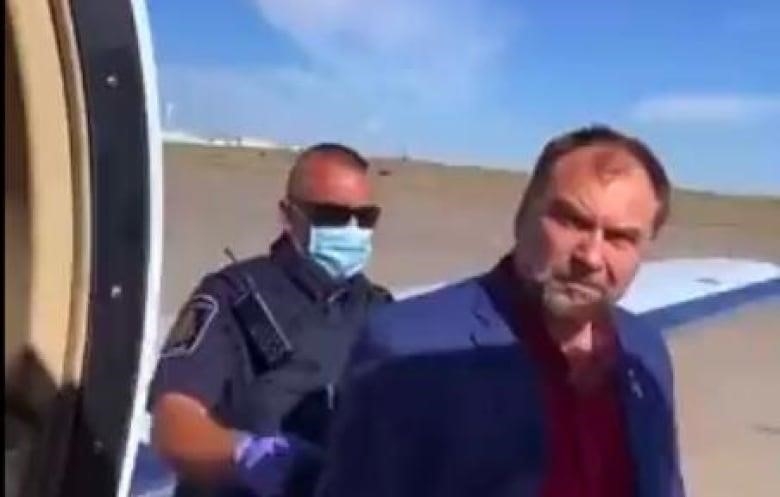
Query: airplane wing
{"type": "Point", "coordinates": [674, 292]}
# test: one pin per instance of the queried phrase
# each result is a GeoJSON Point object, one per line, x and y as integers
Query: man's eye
{"type": "Point", "coordinates": [574, 222]}
{"type": "Point", "coordinates": [563, 220]}
{"type": "Point", "coordinates": [621, 238]}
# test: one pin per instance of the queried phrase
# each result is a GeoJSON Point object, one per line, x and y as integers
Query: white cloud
{"type": "Point", "coordinates": [375, 73]}
{"type": "Point", "coordinates": [707, 108]}
{"type": "Point", "coordinates": [428, 50]}
{"type": "Point", "coordinates": [284, 104]}
{"type": "Point", "coordinates": [279, 102]}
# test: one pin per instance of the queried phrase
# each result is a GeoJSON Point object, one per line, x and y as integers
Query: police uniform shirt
{"type": "Point", "coordinates": [208, 357]}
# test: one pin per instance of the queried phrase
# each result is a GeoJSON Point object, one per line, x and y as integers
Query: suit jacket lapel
{"type": "Point", "coordinates": [494, 310]}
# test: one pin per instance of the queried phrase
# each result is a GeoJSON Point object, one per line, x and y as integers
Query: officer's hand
{"type": "Point", "coordinates": [264, 463]}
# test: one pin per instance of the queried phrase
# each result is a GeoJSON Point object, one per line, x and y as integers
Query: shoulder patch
{"type": "Point", "coordinates": [190, 326]}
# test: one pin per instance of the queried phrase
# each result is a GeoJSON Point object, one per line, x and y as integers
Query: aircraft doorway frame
{"type": "Point", "coordinates": [120, 89]}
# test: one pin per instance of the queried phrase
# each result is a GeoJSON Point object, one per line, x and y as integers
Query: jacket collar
{"type": "Point", "coordinates": [494, 306]}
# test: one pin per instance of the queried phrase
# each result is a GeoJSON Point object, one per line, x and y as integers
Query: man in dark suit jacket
{"type": "Point", "coordinates": [527, 380]}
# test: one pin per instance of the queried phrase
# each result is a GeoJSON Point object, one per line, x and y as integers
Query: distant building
{"type": "Point", "coordinates": [180, 136]}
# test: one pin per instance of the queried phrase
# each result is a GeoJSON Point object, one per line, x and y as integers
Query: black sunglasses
{"type": "Point", "coordinates": [333, 215]}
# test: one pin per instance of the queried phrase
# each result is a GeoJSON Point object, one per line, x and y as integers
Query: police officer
{"type": "Point", "coordinates": [245, 384]}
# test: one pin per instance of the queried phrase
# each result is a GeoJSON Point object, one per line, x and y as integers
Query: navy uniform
{"type": "Point", "coordinates": [261, 344]}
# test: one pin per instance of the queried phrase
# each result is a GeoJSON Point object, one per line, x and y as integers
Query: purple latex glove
{"type": "Point", "coordinates": [264, 463]}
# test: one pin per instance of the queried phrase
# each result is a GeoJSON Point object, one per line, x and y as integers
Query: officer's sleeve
{"type": "Point", "coordinates": [197, 356]}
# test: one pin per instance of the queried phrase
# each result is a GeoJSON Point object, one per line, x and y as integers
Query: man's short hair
{"type": "Point", "coordinates": [599, 135]}
{"type": "Point", "coordinates": [348, 155]}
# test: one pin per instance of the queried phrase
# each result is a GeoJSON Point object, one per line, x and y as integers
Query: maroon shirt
{"type": "Point", "coordinates": [587, 445]}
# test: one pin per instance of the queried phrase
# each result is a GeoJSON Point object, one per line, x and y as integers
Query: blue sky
{"type": "Point", "coordinates": [483, 81]}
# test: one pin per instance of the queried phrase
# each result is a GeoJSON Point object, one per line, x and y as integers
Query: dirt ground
{"type": "Point", "coordinates": [728, 402]}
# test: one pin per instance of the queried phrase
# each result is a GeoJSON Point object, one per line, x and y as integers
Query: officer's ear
{"type": "Point", "coordinates": [293, 222]}
{"type": "Point", "coordinates": [285, 216]}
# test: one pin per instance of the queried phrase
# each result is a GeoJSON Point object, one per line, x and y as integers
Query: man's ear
{"type": "Point", "coordinates": [294, 224]}
{"type": "Point", "coordinates": [528, 209]}
{"type": "Point", "coordinates": [519, 219]}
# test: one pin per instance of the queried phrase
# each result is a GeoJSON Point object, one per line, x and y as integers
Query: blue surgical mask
{"type": "Point", "coordinates": [341, 251]}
